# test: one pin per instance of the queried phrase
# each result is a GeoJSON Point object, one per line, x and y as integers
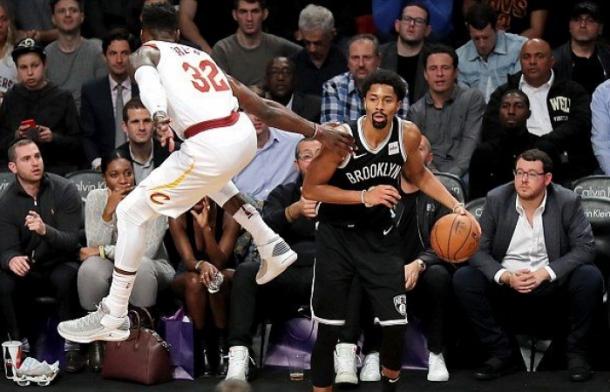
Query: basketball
{"type": "Point", "coordinates": [455, 238]}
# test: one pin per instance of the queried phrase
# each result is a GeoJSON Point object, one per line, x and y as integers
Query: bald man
{"type": "Point", "coordinates": [560, 112]}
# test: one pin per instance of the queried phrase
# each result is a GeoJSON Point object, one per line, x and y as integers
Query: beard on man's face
{"type": "Point", "coordinates": [379, 124]}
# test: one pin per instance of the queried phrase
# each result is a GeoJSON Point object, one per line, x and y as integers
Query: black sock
{"type": "Point", "coordinates": [389, 384]}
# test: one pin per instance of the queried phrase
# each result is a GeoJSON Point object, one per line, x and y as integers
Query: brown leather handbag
{"type": "Point", "coordinates": [142, 358]}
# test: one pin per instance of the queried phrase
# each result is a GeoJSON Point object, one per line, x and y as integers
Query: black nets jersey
{"type": "Point", "coordinates": [363, 169]}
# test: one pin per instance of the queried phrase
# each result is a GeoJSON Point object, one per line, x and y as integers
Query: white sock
{"type": "Point", "coordinates": [118, 297]}
{"type": "Point", "coordinates": [129, 251]}
{"type": "Point", "coordinates": [249, 218]}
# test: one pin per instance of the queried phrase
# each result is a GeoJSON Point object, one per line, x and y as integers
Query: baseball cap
{"type": "Point", "coordinates": [587, 8]}
{"type": "Point", "coordinates": [28, 45]}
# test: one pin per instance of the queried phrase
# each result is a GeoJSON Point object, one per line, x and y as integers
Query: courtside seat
{"type": "Point", "coordinates": [454, 184]}
{"type": "Point", "coordinates": [593, 186]}
{"type": "Point", "coordinates": [86, 181]}
{"type": "Point", "coordinates": [476, 206]}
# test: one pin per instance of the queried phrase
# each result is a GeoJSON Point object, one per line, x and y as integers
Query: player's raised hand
{"type": "Point", "coordinates": [333, 137]}
{"type": "Point", "coordinates": [163, 131]}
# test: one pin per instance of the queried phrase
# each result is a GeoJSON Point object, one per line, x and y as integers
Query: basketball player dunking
{"type": "Point", "coordinates": [356, 234]}
{"type": "Point", "coordinates": [184, 84]}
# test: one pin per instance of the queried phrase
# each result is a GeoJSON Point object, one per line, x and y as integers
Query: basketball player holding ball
{"type": "Point", "coordinates": [184, 88]}
{"type": "Point", "coordinates": [356, 233]}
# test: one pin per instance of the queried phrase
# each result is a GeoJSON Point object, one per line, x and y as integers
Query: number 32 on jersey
{"type": "Point", "coordinates": [206, 76]}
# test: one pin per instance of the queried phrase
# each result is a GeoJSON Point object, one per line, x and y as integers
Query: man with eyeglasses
{"type": "Point", "coordinates": [280, 82]}
{"type": "Point", "coordinates": [583, 58]}
{"type": "Point", "coordinates": [294, 217]}
{"type": "Point", "coordinates": [404, 55]}
{"type": "Point", "coordinates": [320, 59]}
{"type": "Point", "coordinates": [534, 267]}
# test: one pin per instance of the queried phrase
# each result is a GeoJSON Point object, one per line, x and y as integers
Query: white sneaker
{"type": "Point", "coordinates": [276, 256]}
{"type": "Point", "coordinates": [239, 363]}
{"type": "Point", "coordinates": [98, 325]}
{"type": "Point", "coordinates": [437, 370]}
{"type": "Point", "coordinates": [371, 370]}
{"type": "Point", "coordinates": [345, 364]}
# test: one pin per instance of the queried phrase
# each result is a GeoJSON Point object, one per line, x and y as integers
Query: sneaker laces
{"type": "Point", "coordinates": [93, 319]}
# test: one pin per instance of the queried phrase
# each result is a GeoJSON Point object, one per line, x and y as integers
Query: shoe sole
{"type": "Point", "coordinates": [272, 273]}
{"type": "Point", "coordinates": [432, 379]}
{"type": "Point", "coordinates": [114, 336]}
{"type": "Point", "coordinates": [370, 379]}
{"type": "Point", "coordinates": [346, 379]}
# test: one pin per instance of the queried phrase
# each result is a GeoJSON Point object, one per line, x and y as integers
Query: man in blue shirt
{"type": "Point", "coordinates": [600, 133]}
{"type": "Point", "coordinates": [491, 55]}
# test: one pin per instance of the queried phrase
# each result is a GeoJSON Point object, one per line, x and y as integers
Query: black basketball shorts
{"type": "Point", "coordinates": [374, 256]}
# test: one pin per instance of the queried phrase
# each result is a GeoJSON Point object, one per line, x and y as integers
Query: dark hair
{"type": "Point", "coordinates": [535, 154]}
{"type": "Point", "coordinates": [303, 140]}
{"type": "Point", "coordinates": [118, 34]}
{"type": "Point", "coordinates": [22, 141]}
{"type": "Point", "coordinates": [113, 156]}
{"type": "Point", "coordinates": [54, 3]}
{"type": "Point", "coordinates": [516, 92]}
{"type": "Point", "coordinates": [480, 15]}
{"type": "Point", "coordinates": [440, 48]}
{"type": "Point", "coordinates": [160, 17]}
{"type": "Point", "coordinates": [365, 37]}
{"type": "Point", "coordinates": [418, 5]}
{"type": "Point", "coordinates": [390, 78]}
{"type": "Point", "coordinates": [289, 61]}
{"type": "Point", "coordinates": [133, 103]}
{"type": "Point", "coordinates": [262, 3]}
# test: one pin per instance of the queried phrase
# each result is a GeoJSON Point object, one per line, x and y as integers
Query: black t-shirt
{"type": "Point", "coordinates": [516, 13]}
{"type": "Point", "coordinates": [407, 67]}
{"type": "Point", "coordinates": [587, 71]}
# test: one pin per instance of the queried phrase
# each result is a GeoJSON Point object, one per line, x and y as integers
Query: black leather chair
{"type": "Point", "coordinates": [596, 186]}
{"type": "Point", "coordinates": [6, 178]}
{"type": "Point", "coordinates": [86, 181]}
{"type": "Point", "coordinates": [476, 206]}
{"type": "Point", "coordinates": [454, 184]}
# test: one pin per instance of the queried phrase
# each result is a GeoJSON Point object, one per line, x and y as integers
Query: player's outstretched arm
{"type": "Point", "coordinates": [417, 173]}
{"type": "Point", "coordinates": [144, 63]}
{"type": "Point", "coordinates": [278, 116]}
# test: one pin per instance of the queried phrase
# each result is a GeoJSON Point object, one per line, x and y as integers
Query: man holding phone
{"type": "Point", "coordinates": [37, 109]}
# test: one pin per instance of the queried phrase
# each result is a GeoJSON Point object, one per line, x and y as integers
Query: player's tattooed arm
{"type": "Point", "coordinates": [278, 116]}
{"type": "Point", "coordinates": [145, 55]}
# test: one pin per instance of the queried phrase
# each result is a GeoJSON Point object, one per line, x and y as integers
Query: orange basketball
{"type": "Point", "coordinates": [455, 238]}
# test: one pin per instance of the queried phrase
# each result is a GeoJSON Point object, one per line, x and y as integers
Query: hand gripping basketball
{"type": "Point", "coordinates": [455, 237]}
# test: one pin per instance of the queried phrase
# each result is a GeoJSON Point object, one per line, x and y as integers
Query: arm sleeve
{"type": "Point", "coordinates": [600, 131]}
{"type": "Point", "coordinates": [68, 215]}
{"type": "Point", "coordinates": [580, 235]}
{"type": "Point", "coordinates": [152, 92]}
{"type": "Point", "coordinates": [330, 103]}
{"type": "Point", "coordinates": [98, 231]}
{"type": "Point", "coordinates": [471, 133]}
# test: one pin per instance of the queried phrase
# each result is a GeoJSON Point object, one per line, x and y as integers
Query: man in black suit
{"type": "Point", "coordinates": [535, 262]}
{"type": "Point", "coordinates": [280, 84]}
{"type": "Point", "coordinates": [144, 150]}
{"type": "Point", "coordinates": [101, 105]}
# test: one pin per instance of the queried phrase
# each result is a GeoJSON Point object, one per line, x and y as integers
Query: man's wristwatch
{"type": "Point", "coordinates": [421, 264]}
